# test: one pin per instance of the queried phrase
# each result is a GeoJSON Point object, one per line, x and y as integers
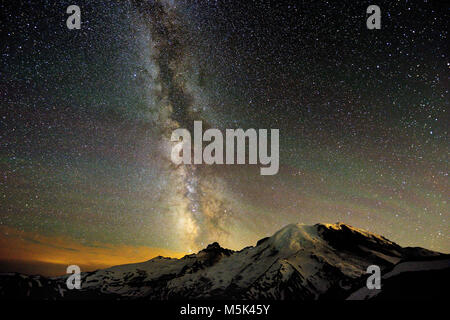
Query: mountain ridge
{"type": "Point", "coordinates": [301, 262]}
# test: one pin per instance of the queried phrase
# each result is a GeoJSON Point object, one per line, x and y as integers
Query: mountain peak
{"type": "Point", "coordinates": [348, 229]}
{"type": "Point", "coordinates": [339, 226]}
{"type": "Point", "coordinates": [212, 246]}
{"type": "Point", "coordinates": [340, 236]}
{"type": "Point", "coordinates": [300, 262]}
{"type": "Point", "coordinates": [214, 251]}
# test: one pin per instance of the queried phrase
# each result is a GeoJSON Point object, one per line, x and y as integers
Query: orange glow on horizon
{"type": "Point", "coordinates": [16, 245]}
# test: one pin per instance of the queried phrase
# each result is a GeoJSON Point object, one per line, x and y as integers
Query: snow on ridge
{"type": "Point", "coordinates": [287, 243]}
{"type": "Point", "coordinates": [407, 266]}
{"type": "Point", "coordinates": [305, 259]}
{"type": "Point", "coordinates": [294, 237]}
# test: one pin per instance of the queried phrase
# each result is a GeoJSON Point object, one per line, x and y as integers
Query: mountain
{"type": "Point", "coordinates": [299, 262]}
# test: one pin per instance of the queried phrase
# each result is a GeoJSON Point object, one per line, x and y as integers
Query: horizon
{"type": "Point", "coordinates": [52, 269]}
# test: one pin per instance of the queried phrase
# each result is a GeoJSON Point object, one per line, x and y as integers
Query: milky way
{"type": "Point", "coordinates": [195, 205]}
{"type": "Point", "coordinates": [86, 119]}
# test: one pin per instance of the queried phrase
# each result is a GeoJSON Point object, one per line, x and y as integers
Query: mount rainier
{"type": "Point", "coordinates": [299, 262]}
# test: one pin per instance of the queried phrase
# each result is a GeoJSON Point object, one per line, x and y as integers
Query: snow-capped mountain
{"type": "Point", "coordinates": [323, 261]}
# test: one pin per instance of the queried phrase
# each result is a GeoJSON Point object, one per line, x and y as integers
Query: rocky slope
{"type": "Point", "coordinates": [323, 261]}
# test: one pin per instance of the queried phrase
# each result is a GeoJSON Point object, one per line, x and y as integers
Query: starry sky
{"type": "Point", "coordinates": [86, 117]}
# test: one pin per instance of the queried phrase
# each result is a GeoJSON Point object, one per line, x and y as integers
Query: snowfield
{"type": "Point", "coordinates": [301, 262]}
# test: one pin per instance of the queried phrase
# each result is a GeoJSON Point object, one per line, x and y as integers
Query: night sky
{"type": "Point", "coordinates": [86, 117]}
